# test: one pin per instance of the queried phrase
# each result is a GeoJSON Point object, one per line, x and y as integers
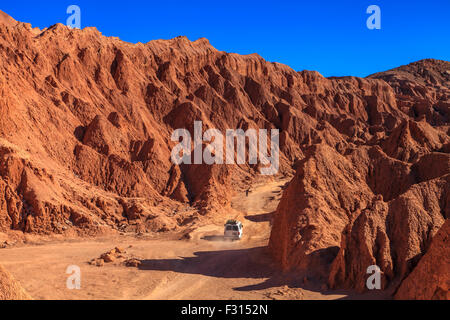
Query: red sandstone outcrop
{"type": "Point", "coordinates": [393, 235]}
{"type": "Point", "coordinates": [314, 210]}
{"type": "Point", "coordinates": [400, 173]}
{"type": "Point", "coordinates": [422, 89]}
{"type": "Point", "coordinates": [430, 280]}
{"type": "Point", "coordinates": [87, 122]}
{"type": "Point", "coordinates": [6, 19]}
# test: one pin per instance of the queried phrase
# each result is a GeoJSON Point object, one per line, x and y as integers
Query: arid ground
{"type": "Point", "coordinates": [203, 267]}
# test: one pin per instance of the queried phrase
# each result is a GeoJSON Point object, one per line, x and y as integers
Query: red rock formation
{"type": "Point", "coordinates": [422, 89]}
{"type": "Point", "coordinates": [400, 188]}
{"type": "Point", "coordinates": [95, 116]}
{"type": "Point", "coordinates": [392, 235]}
{"type": "Point", "coordinates": [430, 280]}
{"type": "Point", "coordinates": [85, 146]}
{"type": "Point", "coordinates": [6, 19]}
{"type": "Point", "coordinates": [314, 210]}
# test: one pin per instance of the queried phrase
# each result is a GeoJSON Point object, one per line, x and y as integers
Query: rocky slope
{"type": "Point", "coordinates": [430, 280]}
{"type": "Point", "coordinates": [85, 146]}
{"type": "Point", "coordinates": [87, 120]}
{"type": "Point", "coordinates": [379, 202]}
{"type": "Point", "coordinates": [422, 89]}
{"type": "Point", "coordinates": [10, 289]}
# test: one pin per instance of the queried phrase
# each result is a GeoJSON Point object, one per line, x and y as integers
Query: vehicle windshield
{"type": "Point", "coordinates": [232, 228]}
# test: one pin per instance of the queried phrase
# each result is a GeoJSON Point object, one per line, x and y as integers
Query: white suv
{"type": "Point", "coordinates": [233, 230]}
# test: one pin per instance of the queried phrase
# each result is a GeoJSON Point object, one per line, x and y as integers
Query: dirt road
{"type": "Point", "coordinates": [204, 267]}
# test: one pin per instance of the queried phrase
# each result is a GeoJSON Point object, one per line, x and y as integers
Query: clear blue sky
{"type": "Point", "coordinates": [328, 36]}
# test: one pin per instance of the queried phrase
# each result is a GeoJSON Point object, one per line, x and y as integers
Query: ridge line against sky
{"type": "Point", "coordinates": [328, 37]}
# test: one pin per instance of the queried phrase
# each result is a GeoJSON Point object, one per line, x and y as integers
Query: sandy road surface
{"type": "Point", "coordinates": [204, 267]}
